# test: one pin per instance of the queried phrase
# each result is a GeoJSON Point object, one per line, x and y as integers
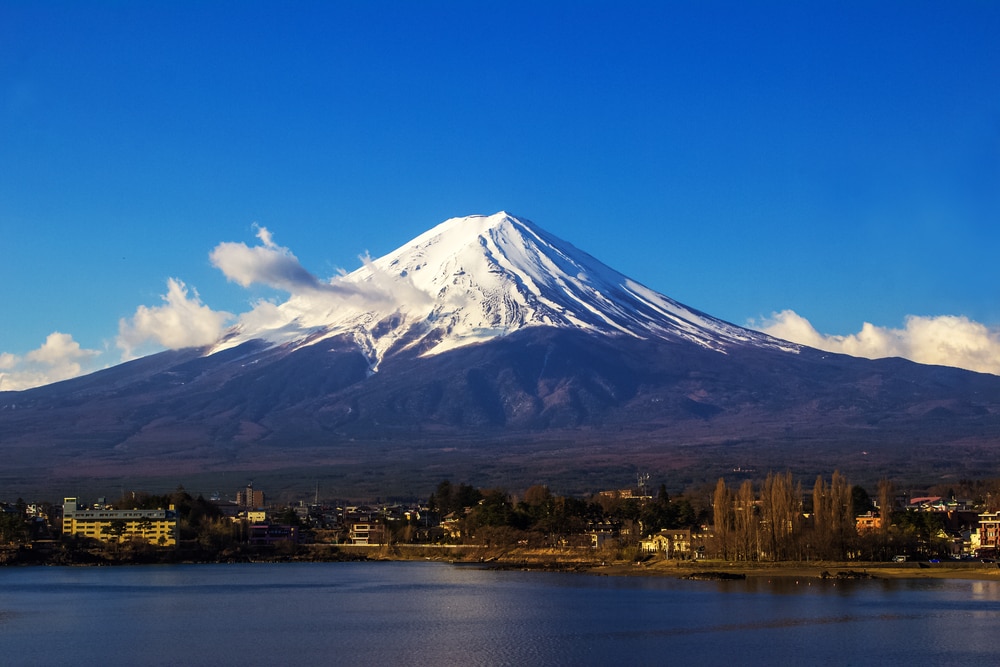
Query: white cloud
{"type": "Point", "coordinates": [945, 340]}
{"type": "Point", "coordinates": [266, 264]}
{"type": "Point", "coordinates": [59, 358]}
{"type": "Point", "coordinates": [277, 267]}
{"type": "Point", "coordinates": [182, 321]}
{"type": "Point", "coordinates": [312, 302]}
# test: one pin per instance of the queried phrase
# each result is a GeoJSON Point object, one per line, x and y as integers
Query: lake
{"type": "Point", "coordinates": [423, 613]}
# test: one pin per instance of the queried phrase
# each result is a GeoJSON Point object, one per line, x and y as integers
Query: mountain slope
{"type": "Point", "coordinates": [476, 278]}
{"type": "Point", "coordinates": [487, 345]}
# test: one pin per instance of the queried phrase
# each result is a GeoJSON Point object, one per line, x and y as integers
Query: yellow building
{"type": "Point", "coordinates": [158, 527]}
{"type": "Point", "coordinates": [867, 522]}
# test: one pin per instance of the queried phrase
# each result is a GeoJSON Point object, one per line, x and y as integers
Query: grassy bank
{"type": "Point", "coordinates": [611, 561]}
{"type": "Point", "coordinates": [624, 563]}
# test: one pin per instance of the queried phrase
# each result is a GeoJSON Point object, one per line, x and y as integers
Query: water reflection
{"type": "Point", "coordinates": [428, 613]}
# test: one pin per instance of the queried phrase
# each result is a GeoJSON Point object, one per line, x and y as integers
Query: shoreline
{"type": "Point", "coordinates": [564, 559]}
{"type": "Point", "coordinates": [810, 570]}
{"type": "Point", "coordinates": [589, 562]}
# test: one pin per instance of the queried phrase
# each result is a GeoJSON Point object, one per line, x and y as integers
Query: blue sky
{"type": "Point", "coordinates": [804, 167]}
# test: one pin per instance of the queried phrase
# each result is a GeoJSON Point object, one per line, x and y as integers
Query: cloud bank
{"type": "Point", "coordinates": [59, 358]}
{"type": "Point", "coordinates": [945, 340]}
{"type": "Point", "coordinates": [182, 321]}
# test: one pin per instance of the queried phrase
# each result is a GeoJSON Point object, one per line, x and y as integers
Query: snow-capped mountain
{"type": "Point", "coordinates": [476, 278]}
{"type": "Point", "coordinates": [489, 349]}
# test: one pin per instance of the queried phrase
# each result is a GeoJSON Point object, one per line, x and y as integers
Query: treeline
{"type": "Point", "coordinates": [198, 520]}
{"type": "Point", "coordinates": [775, 519]}
{"type": "Point", "coordinates": [778, 521]}
{"type": "Point", "coordinates": [540, 517]}
{"type": "Point", "coordinates": [772, 522]}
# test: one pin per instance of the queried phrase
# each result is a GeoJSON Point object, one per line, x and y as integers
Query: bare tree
{"type": "Point", "coordinates": [780, 513]}
{"type": "Point", "coordinates": [842, 525]}
{"type": "Point", "coordinates": [746, 524]}
{"type": "Point", "coordinates": [886, 500]}
{"type": "Point", "coordinates": [821, 517]}
{"type": "Point", "coordinates": [722, 514]}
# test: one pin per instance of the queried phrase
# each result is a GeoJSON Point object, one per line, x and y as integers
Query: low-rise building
{"type": "Point", "coordinates": [256, 516]}
{"type": "Point", "coordinates": [599, 537]}
{"type": "Point", "coordinates": [158, 526]}
{"type": "Point", "coordinates": [365, 532]}
{"type": "Point", "coordinates": [870, 521]}
{"type": "Point", "coordinates": [671, 543]}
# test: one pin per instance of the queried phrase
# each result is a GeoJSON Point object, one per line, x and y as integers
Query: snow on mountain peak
{"type": "Point", "coordinates": [475, 278]}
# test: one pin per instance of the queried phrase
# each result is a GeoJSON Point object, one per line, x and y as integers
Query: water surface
{"type": "Point", "coordinates": [435, 613]}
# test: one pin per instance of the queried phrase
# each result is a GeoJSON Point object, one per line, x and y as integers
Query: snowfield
{"type": "Point", "coordinates": [476, 278]}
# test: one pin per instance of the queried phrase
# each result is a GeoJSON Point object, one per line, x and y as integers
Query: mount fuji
{"type": "Point", "coordinates": [488, 349]}
{"type": "Point", "coordinates": [474, 279]}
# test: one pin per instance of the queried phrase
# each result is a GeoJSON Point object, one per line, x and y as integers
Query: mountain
{"type": "Point", "coordinates": [490, 350]}
{"type": "Point", "coordinates": [477, 278]}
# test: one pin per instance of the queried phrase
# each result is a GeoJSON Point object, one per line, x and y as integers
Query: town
{"type": "Point", "coordinates": [774, 521]}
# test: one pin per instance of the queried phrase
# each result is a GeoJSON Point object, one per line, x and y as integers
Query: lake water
{"type": "Point", "coordinates": [440, 614]}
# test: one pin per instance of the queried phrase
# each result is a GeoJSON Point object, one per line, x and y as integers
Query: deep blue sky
{"type": "Point", "coordinates": [841, 160]}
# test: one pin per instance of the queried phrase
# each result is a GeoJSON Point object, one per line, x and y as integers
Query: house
{"type": "Point", "coordinates": [451, 526]}
{"type": "Point", "coordinates": [600, 534]}
{"type": "Point", "coordinates": [367, 532]}
{"type": "Point", "coordinates": [671, 543]}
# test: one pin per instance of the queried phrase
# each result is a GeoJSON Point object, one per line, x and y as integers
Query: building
{"type": "Point", "coordinates": [256, 516]}
{"type": "Point", "coordinates": [989, 533]}
{"type": "Point", "coordinates": [158, 527]}
{"type": "Point", "coordinates": [366, 532]}
{"type": "Point", "coordinates": [250, 498]}
{"type": "Point", "coordinates": [868, 522]}
{"type": "Point", "coordinates": [601, 534]}
{"type": "Point", "coordinates": [672, 543]}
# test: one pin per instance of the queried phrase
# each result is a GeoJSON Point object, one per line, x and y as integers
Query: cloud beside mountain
{"type": "Point", "coordinates": [945, 340]}
{"type": "Point", "coordinates": [58, 358]}
{"type": "Point", "coordinates": [182, 321]}
{"type": "Point", "coordinates": [266, 264]}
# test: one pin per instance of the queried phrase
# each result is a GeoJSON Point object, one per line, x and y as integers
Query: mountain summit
{"type": "Point", "coordinates": [489, 350]}
{"type": "Point", "coordinates": [476, 278]}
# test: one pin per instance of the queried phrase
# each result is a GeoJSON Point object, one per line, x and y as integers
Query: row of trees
{"type": "Point", "coordinates": [539, 516]}
{"type": "Point", "coordinates": [778, 521]}
{"type": "Point", "coordinates": [772, 525]}
{"type": "Point", "coordinates": [774, 520]}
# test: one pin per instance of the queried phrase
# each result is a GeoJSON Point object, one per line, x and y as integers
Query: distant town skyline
{"type": "Point", "coordinates": [830, 175]}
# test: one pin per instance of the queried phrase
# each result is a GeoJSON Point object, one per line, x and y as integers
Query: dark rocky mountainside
{"type": "Point", "coordinates": [571, 400]}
